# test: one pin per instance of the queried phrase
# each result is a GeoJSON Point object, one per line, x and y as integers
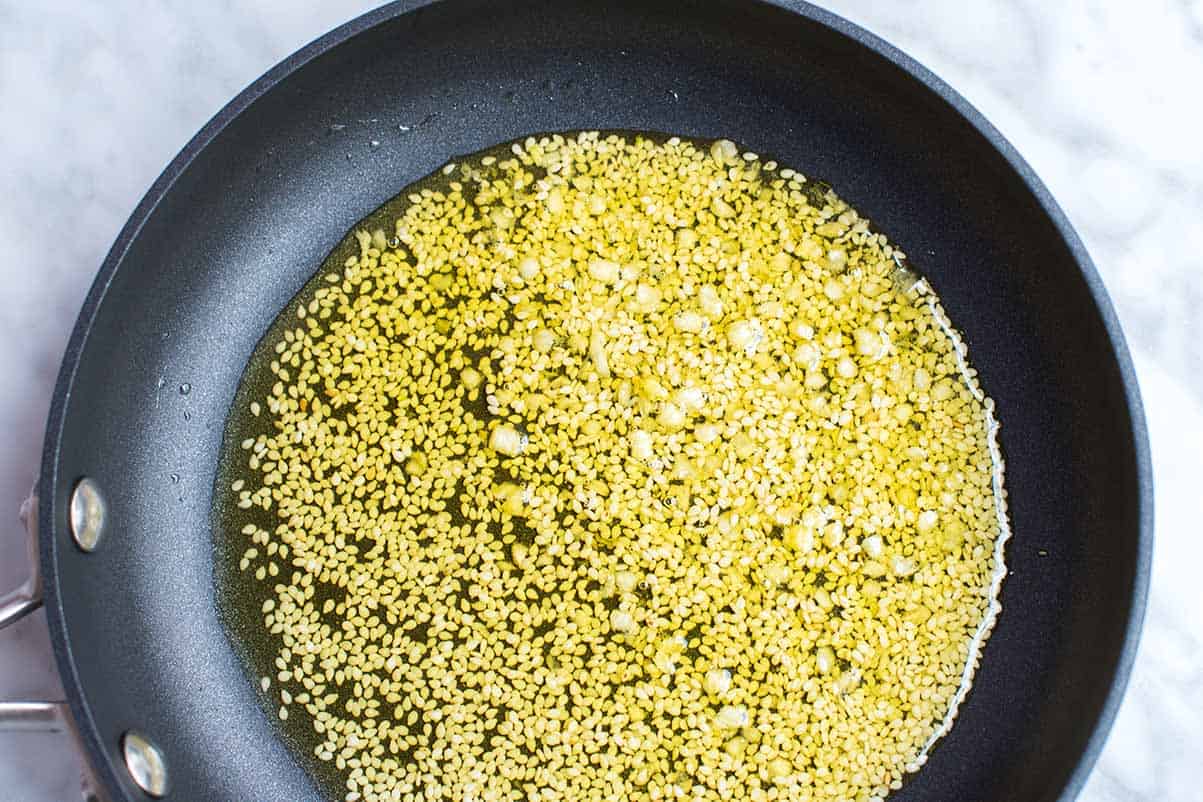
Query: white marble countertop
{"type": "Point", "coordinates": [1101, 97]}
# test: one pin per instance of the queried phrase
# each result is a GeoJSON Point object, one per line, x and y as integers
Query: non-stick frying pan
{"type": "Point", "coordinates": [248, 210]}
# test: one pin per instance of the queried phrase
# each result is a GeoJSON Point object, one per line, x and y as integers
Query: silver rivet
{"type": "Point", "coordinates": [145, 764]}
{"type": "Point", "coordinates": [88, 513]}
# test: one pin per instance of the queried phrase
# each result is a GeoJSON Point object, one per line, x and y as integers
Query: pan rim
{"type": "Point", "coordinates": [101, 759]}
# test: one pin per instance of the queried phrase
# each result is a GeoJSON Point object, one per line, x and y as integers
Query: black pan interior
{"type": "Point", "coordinates": [250, 209]}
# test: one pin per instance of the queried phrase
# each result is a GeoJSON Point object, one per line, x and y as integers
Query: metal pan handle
{"type": "Point", "coordinates": [28, 597]}
{"type": "Point", "coordinates": [29, 716]}
{"type": "Point", "coordinates": [33, 717]}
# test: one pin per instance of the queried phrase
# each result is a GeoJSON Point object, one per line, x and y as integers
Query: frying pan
{"type": "Point", "coordinates": [248, 210]}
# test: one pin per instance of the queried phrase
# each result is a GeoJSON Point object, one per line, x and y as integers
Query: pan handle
{"type": "Point", "coordinates": [28, 597]}
{"type": "Point", "coordinates": [29, 716]}
{"type": "Point", "coordinates": [38, 716]}
{"type": "Point", "coordinates": [33, 716]}
{"type": "Point", "coordinates": [45, 717]}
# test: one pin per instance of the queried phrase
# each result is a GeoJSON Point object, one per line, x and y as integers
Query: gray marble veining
{"type": "Point", "coordinates": [1100, 97]}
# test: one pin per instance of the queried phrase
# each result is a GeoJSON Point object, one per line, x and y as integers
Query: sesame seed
{"type": "Point", "coordinates": [617, 468]}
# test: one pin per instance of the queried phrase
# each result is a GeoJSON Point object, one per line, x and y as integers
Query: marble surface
{"type": "Point", "coordinates": [1100, 96]}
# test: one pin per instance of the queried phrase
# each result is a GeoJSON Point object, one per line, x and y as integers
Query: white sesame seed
{"type": "Point", "coordinates": [573, 450]}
